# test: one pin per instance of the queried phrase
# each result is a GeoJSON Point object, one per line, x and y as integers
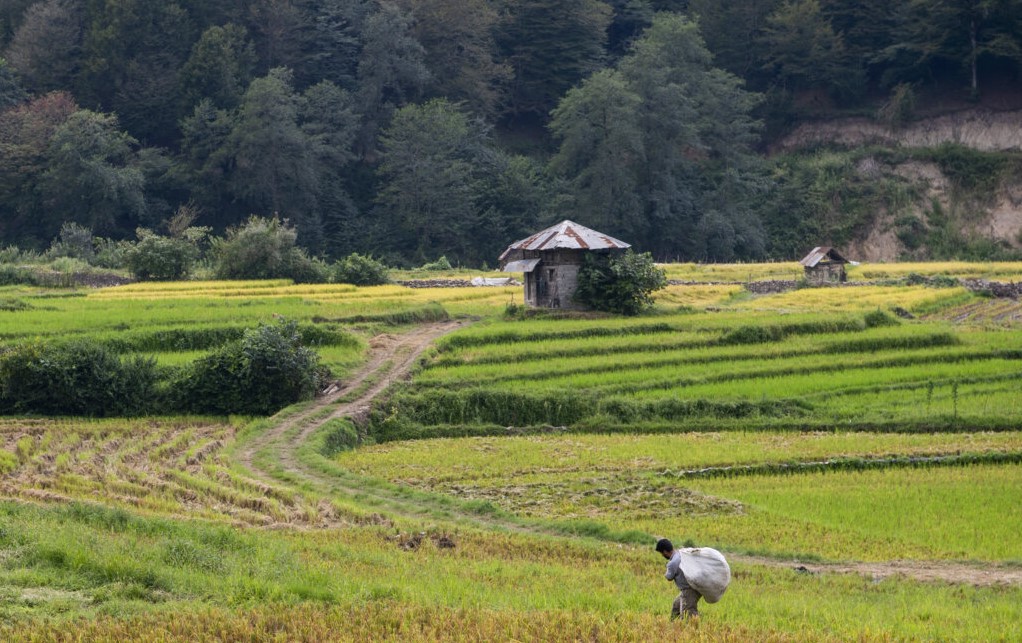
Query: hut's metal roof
{"type": "Point", "coordinates": [567, 235]}
{"type": "Point", "coordinates": [820, 253]}
{"type": "Point", "coordinates": [522, 265]}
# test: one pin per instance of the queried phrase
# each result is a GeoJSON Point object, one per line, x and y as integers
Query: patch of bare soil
{"type": "Point", "coordinates": [930, 571]}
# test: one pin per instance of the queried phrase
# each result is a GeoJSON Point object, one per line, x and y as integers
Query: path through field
{"type": "Point", "coordinates": [273, 458]}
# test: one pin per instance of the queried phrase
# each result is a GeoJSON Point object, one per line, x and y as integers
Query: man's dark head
{"type": "Point", "coordinates": [665, 547]}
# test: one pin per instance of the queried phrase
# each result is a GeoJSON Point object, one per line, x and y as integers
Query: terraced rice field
{"type": "Point", "coordinates": [862, 471]}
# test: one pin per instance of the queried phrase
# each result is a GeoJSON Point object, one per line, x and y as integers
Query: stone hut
{"type": "Point", "coordinates": [824, 265]}
{"type": "Point", "coordinates": [551, 259]}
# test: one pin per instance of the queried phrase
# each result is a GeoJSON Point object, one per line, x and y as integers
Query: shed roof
{"type": "Point", "coordinates": [523, 265]}
{"type": "Point", "coordinates": [567, 235]}
{"type": "Point", "coordinates": [819, 253]}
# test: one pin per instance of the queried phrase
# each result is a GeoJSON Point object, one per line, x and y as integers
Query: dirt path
{"type": "Point", "coordinates": [979, 574]}
{"type": "Point", "coordinates": [391, 357]}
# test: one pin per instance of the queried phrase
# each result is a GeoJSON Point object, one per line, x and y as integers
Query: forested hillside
{"type": "Point", "coordinates": [413, 129]}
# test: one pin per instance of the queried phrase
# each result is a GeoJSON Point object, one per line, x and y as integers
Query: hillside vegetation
{"type": "Point", "coordinates": [425, 128]}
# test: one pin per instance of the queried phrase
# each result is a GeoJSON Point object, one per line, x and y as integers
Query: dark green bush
{"type": "Point", "coordinates": [76, 378]}
{"type": "Point", "coordinates": [156, 258]}
{"type": "Point", "coordinates": [265, 249]}
{"type": "Point", "coordinates": [623, 284]}
{"type": "Point", "coordinates": [360, 270]}
{"type": "Point", "coordinates": [265, 371]}
{"type": "Point", "coordinates": [443, 263]}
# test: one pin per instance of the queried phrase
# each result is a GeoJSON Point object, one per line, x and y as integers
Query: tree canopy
{"type": "Point", "coordinates": [418, 128]}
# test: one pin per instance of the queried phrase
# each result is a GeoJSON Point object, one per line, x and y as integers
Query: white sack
{"type": "Point", "coordinates": [706, 571]}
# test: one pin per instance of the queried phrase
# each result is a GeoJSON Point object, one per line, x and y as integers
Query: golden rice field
{"type": "Point", "coordinates": [855, 452]}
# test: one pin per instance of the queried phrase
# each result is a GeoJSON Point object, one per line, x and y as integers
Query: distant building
{"type": "Point", "coordinates": [551, 259]}
{"type": "Point", "coordinates": [824, 265]}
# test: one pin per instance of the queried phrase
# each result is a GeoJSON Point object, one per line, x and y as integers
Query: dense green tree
{"type": "Point", "coordinates": [801, 50]}
{"type": "Point", "coordinates": [331, 124]}
{"type": "Point", "coordinates": [25, 134]}
{"type": "Point", "coordinates": [602, 151]}
{"type": "Point", "coordinates": [685, 138]}
{"type": "Point", "coordinates": [278, 26]}
{"type": "Point", "coordinates": [12, 12]}
{"type": "Point", "coordinates": [206, 162]}
{"type": "Point", "coordinates": [220, 68]}
{"type": "Point", "coordinates": [391, 71]}
{"type": "Point", "coordinates": [45, 50]}
{"type": "Point", "coordinates": [732, 29]}
{"type": "Point", "coordinates": [273, 168]}
{"type": "Point", "coordinates": [428, 176]}
{"type": "Point", "coordinates": [551, 45]}
{"type": "Point", "coordinates": [132, 52]}
{"type": "Point", "coordinates": [460, 50]}
{"type": "Point", "coordinates": [91, 175]}
{"type": "Point", "coordinates": [864, 25]}
{"type": "Point", "coordinates": [960, 33]}
{"type": "Point", "coordinates": [630, 19]}
{"type": "Point", "coordinates": [334, 40]}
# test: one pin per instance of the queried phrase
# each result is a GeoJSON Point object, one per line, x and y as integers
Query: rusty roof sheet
{"type": "Point", "coordinates": [819, 253]}
{"type": "Point", "coordinates": [567, 235]}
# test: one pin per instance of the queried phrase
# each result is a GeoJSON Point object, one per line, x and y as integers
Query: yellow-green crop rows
{"type": "Point", "coordinates": [511, 488]}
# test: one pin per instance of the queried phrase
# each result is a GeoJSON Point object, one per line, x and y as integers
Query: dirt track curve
{"type": "Point", "coordinates": [272, 457]}
{"type": "Point", "coordinates": [391, 357]}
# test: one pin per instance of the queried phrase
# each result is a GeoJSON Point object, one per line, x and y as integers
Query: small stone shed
{"type": "Point", "coordinates": [824, 265]}
{"type": "Point", "coordinates": [551, 259]}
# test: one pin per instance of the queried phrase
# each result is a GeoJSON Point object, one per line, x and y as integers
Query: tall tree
{"type": "Point", "coordinates": [278, 26]}
{"type": "Point", "coordinates": [133, 50]}
{"type": "Point", "coordinates": [962, 33]}
{"type": "Point", "coordinates": [45, 49]}
{"type": "Point", "coordinates": [551, 45]}
{"type": "Point", "coordinates": [428, 172]}
{"type": "Point", "coordinates": [219, 68]}
{"type": "Point", "coordinates": [602, 151]}
{"type": "Point", "coordinates": [330, 124]}
{"type": "Point", "coordinates": [391, 71]}
{"type": "Point", "coordinates": [92, 176]}
{"type": "Point", "coordinates": [686, 177]}
{"type": "Point", "coordinates": [25, 133]}
{"type": "Point", "coordinates": [460, 50]}
{"type": "Point", "coordinates": [334, 43]}
{"type": "Point", "coordinates": [274, 172]}
{"type": "Point", "coordinates": [206, 162]}
{"type": "Point", "coordinates": [802, 50]}
{"type": "Point", "coordinates": [732, 29]}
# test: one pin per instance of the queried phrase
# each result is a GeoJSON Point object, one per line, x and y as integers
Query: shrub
{"type": "Point", "coordinates": [266, 370]}
{"type": "Point", "coordinates": [110, 253]}
{"type": "Point", "coordinates": [73, 241]}
{"type": "Point", "coordinates": [623, 284]}
{"type": "Point", "coordinates": [76, 378]}
{"type": "Point", "coordinates": [156, 258]}
{"type": "Point", "coordinates": [440, 264]}
{"type": "Point", "coordinates": [360, 270]}
{"type": "Point", "coordinates": [264, 249]}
